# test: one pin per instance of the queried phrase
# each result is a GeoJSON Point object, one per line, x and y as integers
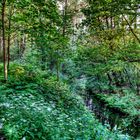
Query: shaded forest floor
{"type": "Point", "coordinates": [35, 106]}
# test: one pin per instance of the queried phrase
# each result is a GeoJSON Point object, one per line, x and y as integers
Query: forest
{"type": "Point", "coordinates": [70, 70]}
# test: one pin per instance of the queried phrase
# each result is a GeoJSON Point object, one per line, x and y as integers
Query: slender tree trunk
{"type": "Point", "coordinates": [137, 83]}
{"type": "Point", "coordinates": [107, 23]}
{"type": "Point", "coordinates": [22, 45]}
{"type": "Point", "coordinates": [111, 22]}
{"type": "Point", "coordinates": [9, 38]}
{"type": "Point", "coordinates": [110, 80]}
{"type": "Point", "coordinates": [65, 16]}
{"type": "Point", "coordinates": [3, 39]}
{"type": "Point", "coordinates": [1, 45]}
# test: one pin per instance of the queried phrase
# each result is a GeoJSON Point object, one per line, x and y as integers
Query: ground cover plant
{"type": "Point", "coordinates": [46, 110]}
{"type": "Point", "coordinates": [69, 69]}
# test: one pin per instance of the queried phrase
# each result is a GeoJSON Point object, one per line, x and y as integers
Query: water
{"type": "Point", "coordinates": [113, 118]}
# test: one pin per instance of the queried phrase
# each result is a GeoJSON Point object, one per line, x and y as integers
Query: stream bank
{"type": "Point", "coordinates": [112, 117]}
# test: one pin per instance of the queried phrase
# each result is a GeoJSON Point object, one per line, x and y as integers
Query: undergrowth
{"type": "Point", "coordinates": [35, 106]}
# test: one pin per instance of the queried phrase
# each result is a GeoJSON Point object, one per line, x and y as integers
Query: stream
{"type": "Point", "coordinates": [2, 136]}
{"type": "Point", "coordinates": [112, 117]}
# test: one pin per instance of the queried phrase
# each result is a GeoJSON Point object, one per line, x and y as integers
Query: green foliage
{"type": "Point", "coordinates": [127, 101]}
{"type": "Point", "coordinates": [46, 109]}
{"type": "Point", "coordinates": [50, 66]}
{"type": "Point", "coordinates": [113, 76]}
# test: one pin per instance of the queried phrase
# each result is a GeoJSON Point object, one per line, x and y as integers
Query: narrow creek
{"type": "Point", "coordinates": [2, 136]}
{"type": "Point", "coordinates": [112, 117]}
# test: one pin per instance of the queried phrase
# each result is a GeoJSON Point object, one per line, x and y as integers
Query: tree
{"type": "Point", "coordinates": [109, 20]}
{"type": "Point", "coordinates": [4, 39]}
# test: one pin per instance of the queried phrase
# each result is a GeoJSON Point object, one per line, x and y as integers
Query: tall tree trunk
{"type": "Point", "coordinates": [65, 16]}
{"type": "Point", "coordinates": [3, 39]}
{"type": "Point", "coordinates": [107, 23]}
{"type": "Point", "coordinates": [9, 38]}
{"type": "Point", "coordinates": [1, 46]}
{"type": "Point", "coordinates": [22, 45]}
